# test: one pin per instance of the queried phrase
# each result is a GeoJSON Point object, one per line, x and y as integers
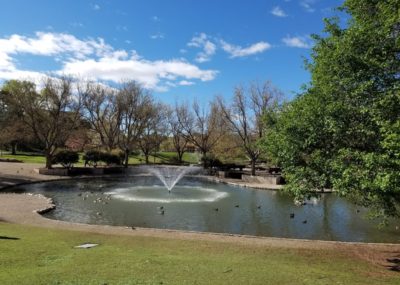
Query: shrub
{"type": "Point", "coordinates": [66, 158]}
{"type": "Point", "coordinates": [109, 158]}
{"type": "Point", "coordinates": [92, 157]}
{"type": "Point", "coordinates": [211, 162]}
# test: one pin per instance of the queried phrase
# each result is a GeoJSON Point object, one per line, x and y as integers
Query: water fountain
{"type": "Point", "coordinates": [197, 204]}
{"type": "Point", "coordinates": [170, 175]}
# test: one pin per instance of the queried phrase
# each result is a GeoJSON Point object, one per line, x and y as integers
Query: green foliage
{"type": "Point", "coordinates": [344, 131]}
{"type": "Point", "coordinates": [210, 161]}
{"type": "Point", "coordinates": [66, 158]}
{"type": "Point", "coordinates": [110, 159]}
{"type": "Point", "coordinates": [93, 157]}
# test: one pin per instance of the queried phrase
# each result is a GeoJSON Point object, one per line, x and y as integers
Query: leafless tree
{"type": "Point", "coordinates": [52, 115]}
{"type": "Point", "coordinates": [154, 131]}
{"type": "Point", "coordinates": [135, 106]}
{"type": "Point", "coordinates": [244, 115]}
{"type": "Point", "coordinates": [102, 112]}
{"type": "Point", "coordinates": [202, 127]}
{"type": "Point", "coordinates": [179, 141]}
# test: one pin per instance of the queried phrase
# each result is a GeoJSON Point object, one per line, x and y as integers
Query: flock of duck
{"type": "Point", "coordinates": [161, 209]}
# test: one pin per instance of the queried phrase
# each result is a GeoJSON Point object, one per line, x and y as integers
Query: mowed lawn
{"type": "Point", "coordinates": [44, 256]}
{"type": "Point", "coordinates": [161, 157]}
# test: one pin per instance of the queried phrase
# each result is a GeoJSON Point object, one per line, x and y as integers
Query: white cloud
{"type": "Point", "coordinates": [277, 11]}
{"type": "Point", "coordinates": [185, 83]}
{"type": "Point", "coordinates": [203, 41]}
{"type": "Point", "coordinates": [51, 44]}
{"type": "Point", "coordinates": [157, 36]}
{"type": "Point", "coordinates": [238, 51]}
{"type": "Point", "coordinates": [95, 59]}
{"type": "Point", "coordinates": [149, 73]}
{"type": "Point", "coordinates": [308, 5]}
{"type": "Point", "coordinates": [210, 45]}
{"type": "Point", "coordinates": [156, 19]}
{"type": "Point", "coordinates": [298, 42]}
{"type": "Point", "coordinates": [95, 7]}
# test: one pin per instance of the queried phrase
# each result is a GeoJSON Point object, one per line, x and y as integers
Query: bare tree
{"type": "Point", "coordinates": [52, 115]}
{"type": "Point", "coordinates": [200, 126]}
{"type": "Point", "coordinates": [154, 130]}
{"type": "Point", "coordinates": [13, 128]}
{"type": "Point", "coordinates": [135, 106]}
{"type": "Point", "coordinates": [179, 141]}
{"type": "Point", "coordinates": [102, 112]}
{"type": "Point", "coordinates": [244, 115]}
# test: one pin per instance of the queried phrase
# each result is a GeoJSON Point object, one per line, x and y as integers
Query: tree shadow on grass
{"type": "Point", "coordinates": [11, 238]}
{"type": "Point", "coordinates": [394, 263]}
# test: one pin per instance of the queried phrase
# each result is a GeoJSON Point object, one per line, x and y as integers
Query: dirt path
{"type": "Point", "coordinates": [12, 173]}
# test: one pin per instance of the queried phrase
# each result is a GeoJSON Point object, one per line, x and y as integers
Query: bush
{"type": "Point", "coordinates": [109, 158]}
{"type": "Point", "coordinates": [66, 158]}
{"type": "Point", "coordinates": [211, 162]}
{"type": "Point", "coordinates": [92, 157]}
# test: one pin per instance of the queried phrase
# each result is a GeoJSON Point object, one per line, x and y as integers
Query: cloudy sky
{"type": "Point", "coordinates": [180, 49]}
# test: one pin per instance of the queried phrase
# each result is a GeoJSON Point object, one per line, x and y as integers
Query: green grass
{"type": "Point", "coordinates": [44, 256]}
{"type": "Point", "coordinates": [161, 157]}
{"type": "Point", "coordinates": [33, 158]}
{"type": "Point", "coordinates": [28, 158]}
{"type": "Point", "coordinates": [164, 157]}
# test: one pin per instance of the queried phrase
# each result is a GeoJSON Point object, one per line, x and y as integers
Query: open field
{"type": "Point", "coordinates": [48, 256]}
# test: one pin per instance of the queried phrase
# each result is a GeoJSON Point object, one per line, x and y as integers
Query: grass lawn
{"type": "Point", "coordinates": [43, 256]}
{"type": "Point", "coordinates": [28, 158]}
{"type": "Point", "coordinates": [161, 157]}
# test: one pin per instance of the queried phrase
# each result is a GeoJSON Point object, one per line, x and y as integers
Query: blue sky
{"type": "Point", "coordinates": [180, 49]}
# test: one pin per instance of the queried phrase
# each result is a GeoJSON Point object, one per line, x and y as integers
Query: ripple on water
{"type": "Point", "coordinates": [159, 194]}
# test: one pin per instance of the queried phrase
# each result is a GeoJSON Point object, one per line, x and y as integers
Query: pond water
{"type": "Point", "coordinates": [198, 205]}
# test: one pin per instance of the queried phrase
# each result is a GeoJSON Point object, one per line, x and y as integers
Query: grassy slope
{"type": "Point", "coordinates": [43, 256]}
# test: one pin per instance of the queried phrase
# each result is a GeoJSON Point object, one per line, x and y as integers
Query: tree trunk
{"type": "Point", "coordinates": [180, 157]}
{"type": "Point", "coordinates": [126, 158]}
{"type": "Point", "coordinates": [253, 167]}
{"type": "Point", "coordinates": [14, 148]}
{"type": "Point", "coordinates": [146, 156]}
{"type": "Point", "coordinates": [49, 158]}
{"type": "Point", "coordinates": [204, 158]}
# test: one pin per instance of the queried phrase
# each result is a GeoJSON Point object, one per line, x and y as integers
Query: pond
{"type": "Point", "coordinates": [196, 204]}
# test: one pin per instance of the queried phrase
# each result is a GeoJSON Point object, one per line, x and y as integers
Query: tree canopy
{"type": "Point", "coordinates": [343, 132]}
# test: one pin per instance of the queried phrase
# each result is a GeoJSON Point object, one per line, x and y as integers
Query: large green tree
{"type": "Point", "coordinates": [344, 131]}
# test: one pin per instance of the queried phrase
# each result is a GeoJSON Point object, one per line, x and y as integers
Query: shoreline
{"type": "Point", "coordinates": [25, 209]}
{"type": "Point", "coordinates": [32, 205]}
